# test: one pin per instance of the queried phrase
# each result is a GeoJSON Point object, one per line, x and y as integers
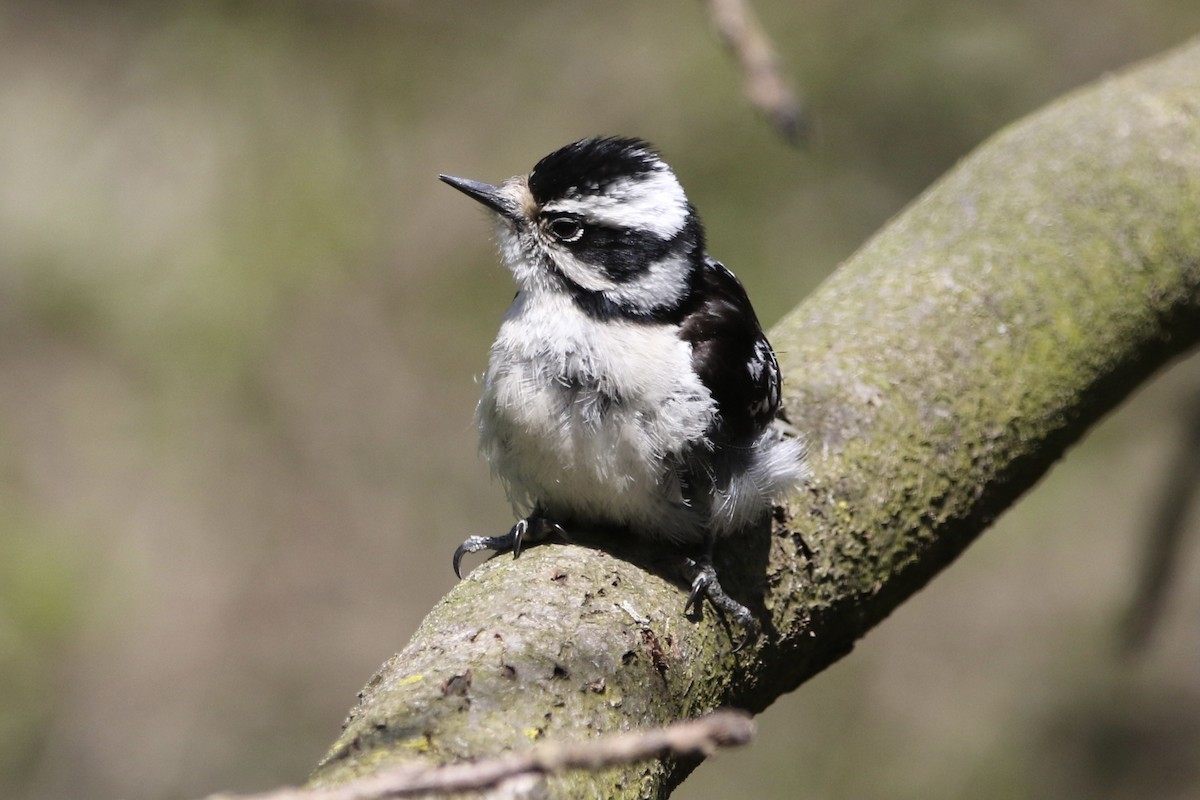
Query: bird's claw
{"type": "Point", "coordinates": [533, 528]}
{"type": "Point", "coordinates": [705, 584]}
{"type": "Point", "coordinates": [517, 534]}
{"type": "Point", "coordinates": [474, 544]}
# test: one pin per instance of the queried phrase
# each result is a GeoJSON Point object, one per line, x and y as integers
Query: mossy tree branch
{"type": "Point", "coordinates": [938, 374]}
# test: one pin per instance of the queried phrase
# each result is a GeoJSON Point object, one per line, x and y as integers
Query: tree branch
{"type": "Point", "coordinates": [938, 375]}
{"type": "Point", "coordinates": [762, 78]}
{"type": "Point", "coordinates": [695, 737]}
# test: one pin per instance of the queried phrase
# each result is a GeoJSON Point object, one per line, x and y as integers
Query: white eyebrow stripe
{"type": "Point", "coordinates": [652, 202]}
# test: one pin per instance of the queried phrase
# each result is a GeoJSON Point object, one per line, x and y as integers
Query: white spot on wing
{"type": "Point", "coordinates": [764, 372]}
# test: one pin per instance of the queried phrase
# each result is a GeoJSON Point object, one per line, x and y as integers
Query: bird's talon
{"type": "Point", "coordinates": [474, 544]}
{"type": "Point", "coordinates": [531, 529]}
{"type": "Point", "coordinates": [705, 583]}
{"type": "Point", "coordinates": [700, 586]}
{"type": "Point", "coordinates": [518, 536]}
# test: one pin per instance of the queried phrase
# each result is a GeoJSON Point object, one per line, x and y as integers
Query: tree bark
{"type": "Point", "coordinates": [937, 375]}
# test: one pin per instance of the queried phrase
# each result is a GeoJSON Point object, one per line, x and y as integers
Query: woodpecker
{"type": "Point", "coordinates": [630, 388]}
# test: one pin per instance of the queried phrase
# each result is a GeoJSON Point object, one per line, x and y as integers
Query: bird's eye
{"type": "Point", "coordinates": [565, 229]}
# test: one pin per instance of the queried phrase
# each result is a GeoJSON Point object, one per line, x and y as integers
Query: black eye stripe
{"type": "Point", "coordinates": [623, 253]}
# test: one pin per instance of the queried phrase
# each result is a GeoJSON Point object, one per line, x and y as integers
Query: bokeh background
{"type": "Point", "coordinates": [240, 324]}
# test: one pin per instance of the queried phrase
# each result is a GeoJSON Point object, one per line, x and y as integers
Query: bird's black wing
{"type": "Point", "coordinates": [731, 355]}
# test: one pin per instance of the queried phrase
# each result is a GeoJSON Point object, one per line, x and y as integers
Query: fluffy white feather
{"type": "Point", "coordinates": [592, 419]}
{"type": "Point", "coordinates": [582, 416]}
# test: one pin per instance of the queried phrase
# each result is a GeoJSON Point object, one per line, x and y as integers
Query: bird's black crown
{"type": "Point", "coordinates": [589, 165]}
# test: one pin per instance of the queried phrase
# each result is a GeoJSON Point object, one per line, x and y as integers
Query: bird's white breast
{"type": "Point", "coordinates": [580, 416]}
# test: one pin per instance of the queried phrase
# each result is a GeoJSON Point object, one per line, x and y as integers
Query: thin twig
{"type": "Point", "coordinates": [764, 83]}
{"type": "Point", "coordinates": [697, 737]}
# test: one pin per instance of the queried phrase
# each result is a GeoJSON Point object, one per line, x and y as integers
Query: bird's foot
{"type": "Point", "coordinates": [706, 584]}
{"type": "Point", "coordinates": [533, 528]}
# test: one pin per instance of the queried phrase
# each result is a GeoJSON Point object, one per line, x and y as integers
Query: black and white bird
{"type": "Point", "coordinates": [630, 387]}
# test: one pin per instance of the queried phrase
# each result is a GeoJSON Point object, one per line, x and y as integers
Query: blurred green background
{"type": "Point", "coordinates": [240, 322]}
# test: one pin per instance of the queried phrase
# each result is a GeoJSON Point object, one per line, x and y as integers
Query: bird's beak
{"type": "Point", "coordinates": [494, 197]}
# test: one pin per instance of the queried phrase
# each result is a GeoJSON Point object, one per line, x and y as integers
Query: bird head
{"type": "Point", "coordinates": [602, 219]}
